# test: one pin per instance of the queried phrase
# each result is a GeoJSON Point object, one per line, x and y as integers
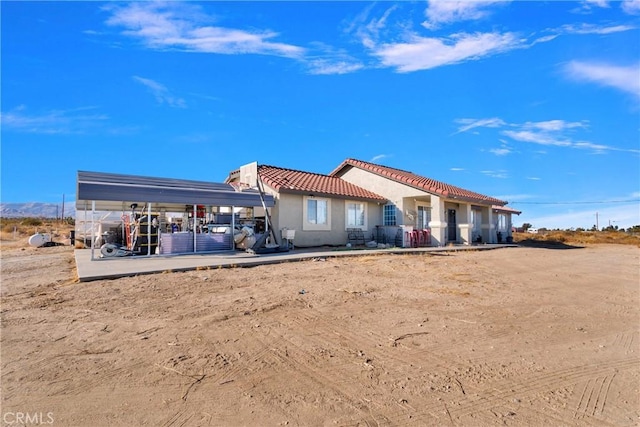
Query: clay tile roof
{"type": "Point", "coordinates": [294, 181]}
{"type": "Point", "coordinates": [417, 181]}
{"type": "Point", "coordinates": [506, 209]}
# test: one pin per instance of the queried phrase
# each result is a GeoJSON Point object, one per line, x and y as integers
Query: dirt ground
{"type": "Point", "coordinates": [514, 336]}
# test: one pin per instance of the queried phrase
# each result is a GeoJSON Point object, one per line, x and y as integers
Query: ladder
{"type": "Point", "coordinates": [127, 230]}
{"type": "Point", "coordinates": [264, 206]}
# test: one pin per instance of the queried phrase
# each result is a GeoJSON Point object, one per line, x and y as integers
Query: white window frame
{"type": "Point", "coordinates": [395, 214]}
{"type": "Point", "coordinates": [347, 218]}
{"type": "Point", "coordinates": [476, 222]}
{"type": "Point", "coordinates": [427, 216]}
{"type": "Point", "coordinates": [309, 226]}
{"type": "Point", "coordinates": [501, 222]}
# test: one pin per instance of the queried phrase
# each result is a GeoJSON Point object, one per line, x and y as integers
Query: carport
{"type": "Point", "coordinates": [148, 216]}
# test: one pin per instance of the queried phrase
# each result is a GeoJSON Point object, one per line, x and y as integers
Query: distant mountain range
{"type": "Point", "coordinates": [37, 210]}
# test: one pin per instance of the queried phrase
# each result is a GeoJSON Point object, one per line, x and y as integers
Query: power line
{"type": "Point", "coordinates": [577, 203]}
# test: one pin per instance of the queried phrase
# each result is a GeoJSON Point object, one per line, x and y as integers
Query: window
{"type": "Point", "coordinates": [502, 222]}
{"type": "Point", "coordinates": [389, 215]}
{"type": "Point", "coordinates": [356, 215]}
{"type": "Point", "coordinates": [476, 219]}
{"type": "Point", "coordinates": [424, 217]}
{"type": "Point", "coordinates": [316, 213]}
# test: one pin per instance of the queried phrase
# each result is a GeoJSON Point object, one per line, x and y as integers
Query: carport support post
{"type": "Point", "coordinates": [233, 227]}
{"type": "Point", "coordinates": [93, 227]}
{"type": "Point", "coordinates": [84, 225]}
{"type": "Point", "coordinates": [148, 229]}
{"type": "Point", "coordinates": [195, 239]}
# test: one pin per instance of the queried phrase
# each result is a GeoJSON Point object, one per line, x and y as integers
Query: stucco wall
{"type": "Point", "coordinates": [392, 190]}
{"type": "Point", "coordinates": [399, 194]}
{"type": "Point", "coordinates": [288, 213]}
{"type": "Point", "coordinates": [407, 199]}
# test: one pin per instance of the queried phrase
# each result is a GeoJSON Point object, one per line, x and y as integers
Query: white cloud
{"type": "Point", "coordinates": [74, 121]}
{"type": "Point", "coordinates": [182, 26]}
{"type": "Point", "coordinates": [599, 3]}
{"type": "Point", "coordinates": [555, 125]}
{"type": "Point", "coordinates": [544, 39]}
{"type": "Point", "coordinates": [632, 7]}
{"type": "Point", "coordinates": [457, 169]}
{"type": "Point", "coordinates": [624, 78]}
{"type": "Point", "coordinates": [423, 53]}
{"type": "Point", "coordinates": [329, 60]}
{"type": "Point", "coordinates": [468, 124]}
{"type": "Point", "coordinates": [325, 66]}
{"type": "Point", "coordinates": [541, 138]}
{"type": "Point", "coordinates": [556, 133]}
{"type": "Point", "coordinates": [378, 158]}
{"type": "Point", "coordinates": [595, 29]}
{"type": "Point", "coordinates": [501, 174]}
{"type": "Point", "coordinates": [440, 12]}
{"type": "Point", "coordinates": [587, 5]}
{"type": "Point", "coordinates": [500, 151]}
{"type": "Point", "coordinates": [369, 32]}
{"type": "Point", "coordinates": [161, 93]}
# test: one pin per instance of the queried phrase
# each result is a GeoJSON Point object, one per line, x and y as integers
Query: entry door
{"type": "Point", "coordinates": [451, 225]}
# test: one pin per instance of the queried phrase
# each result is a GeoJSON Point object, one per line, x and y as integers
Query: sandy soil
{"type": "Point", "coordinates": [520, 336]}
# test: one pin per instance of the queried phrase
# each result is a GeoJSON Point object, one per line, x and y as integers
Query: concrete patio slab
{"type": "Point", "coordinates": [111, 268]}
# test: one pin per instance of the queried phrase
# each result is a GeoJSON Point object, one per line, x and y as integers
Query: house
{"type": "Point", "coordinates": [452, 214]}
{"type": "Point", "coordinates": [388, 205]}
{"type": "Point", "coordinates": [504, 223]}
{"type": "Point", "coordinates": [322, 209]}
{"type": "Point", "coordinates": [358, 202]}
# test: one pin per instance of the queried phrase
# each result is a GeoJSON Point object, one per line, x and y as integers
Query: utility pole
{"type": "Point", "coordinates": [62, 216]}
{"type": "Point", "coordinates": [597, 225]}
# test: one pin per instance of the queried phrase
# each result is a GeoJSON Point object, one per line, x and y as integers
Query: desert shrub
{"type": "Point", "coordinates": [12, 229]}
{"type": "Point", "coordinates": [8, 228]}
{"type": "Point", "coordinates": [31, 222]}
{"type": "Point", "coordinates": [581, 237]}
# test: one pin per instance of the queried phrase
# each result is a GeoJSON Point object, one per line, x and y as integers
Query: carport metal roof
{"type": "Point", "coordinates": [112, 191]}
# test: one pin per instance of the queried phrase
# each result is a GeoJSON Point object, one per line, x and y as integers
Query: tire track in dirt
{"type": "Point", "coordinates": [282, 352]}
{"type": "Point", "coordinates": [593, 397]}
{"type": "Point", "coordinates": [315, 375]}
{"type": "Point", "coordinates": [287, 353]}
{"type": "Point", "coordinates": [45, 366]}
{"type": "Point", "coordinates": [178, 419]}
{"type": "Point", "coordinates": [625, 340]}
{"type": "Point", "coordinates": [385, 355]}
{"type": "Point", "coordinates": [85, 384]}
{"type": "Point", "coordinates": [620, 310]}
{"type": "Point", "coordinates": [242, 368]}
{"type": "Point", "coordinates": [487, 399]}
{"type": "Point", "coordinates": [541, 383]}
{"type": "Point", "coordinates": [380, 347]}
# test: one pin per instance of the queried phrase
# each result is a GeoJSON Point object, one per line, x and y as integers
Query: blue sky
{"type": "Point", "coordinates": [536, 103]}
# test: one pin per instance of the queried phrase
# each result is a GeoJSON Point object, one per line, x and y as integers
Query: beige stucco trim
{"type": "Point", "coordinates": [308, 226]}
{"type": "Point", "coordinates": [346, 215]}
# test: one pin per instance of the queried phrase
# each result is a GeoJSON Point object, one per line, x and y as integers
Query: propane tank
{"type": "Point", "coordinates": [39, 239]}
